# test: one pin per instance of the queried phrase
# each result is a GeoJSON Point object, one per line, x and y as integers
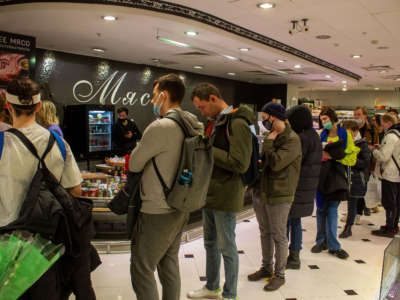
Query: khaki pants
{"type": "Point", "coordinates": [155, 244]}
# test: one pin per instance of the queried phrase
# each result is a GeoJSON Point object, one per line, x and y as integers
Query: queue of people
{"type": "Point", "coordinates": [299, 169]}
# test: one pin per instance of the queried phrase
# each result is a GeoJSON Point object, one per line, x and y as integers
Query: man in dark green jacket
{"type": "Point", "coordinates": [232, 147]}
{"type": "Point", "coordinates": [281, 153]}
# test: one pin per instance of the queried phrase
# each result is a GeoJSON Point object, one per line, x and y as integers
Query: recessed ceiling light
{"type": "Point", "coordinates": [109, 18]}
{"type": "Point", "coordinates": [356, 56]}
{"type": "Point", "coordinates": [376, 89]}
{"type": "Point", "coordinates": [191, 33]}
{"type": "Point", "coordinates": [281, 60]}
{"type": "Point", "coordinates": [266, 5]}
{"type": "Point", "coordinates": [230, 57]}
{"type": "Point", "coordinates": [323, 37]}
{"type": "Point", "coordinates": [231, 74]}
{"type": "Point", "coordinates": [328, 76]}
{"type": "Point", "coordinates": [344, 81]}
{"type": "Point", "coordinates": [156, 60]}
{"type": "Point", "coordinates": [383, 72]}
{"type": "Point", "coordinates": [397, 79]}
{"type": "Point", "coordinates": [297, 66]}
{"type": "Point", "coordinates": [344, 89]}
{"type": "Point", "coordinates": [198, 67]}
{"type": "Point", "coordinates": [171, 42]}
{"type": "Point", "coordinates": [244, 49]}
{"type": "Point", "coordinates": [100, 50]}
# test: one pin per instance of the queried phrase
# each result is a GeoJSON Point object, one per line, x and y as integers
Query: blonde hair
{"type": "Point", "coordinates": [388, 117]}
{"type": "Point", "coordinates": [47, 114]}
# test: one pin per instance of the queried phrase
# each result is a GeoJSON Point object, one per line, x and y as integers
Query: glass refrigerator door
{"type": "Point", "coordinates": [100, 127]}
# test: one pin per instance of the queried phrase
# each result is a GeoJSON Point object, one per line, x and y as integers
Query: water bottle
{"type": "Point", "coordinates": [185, 178]}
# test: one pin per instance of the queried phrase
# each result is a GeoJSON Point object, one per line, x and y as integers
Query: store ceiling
{"type": "Point", "coordinates": [355, 27]}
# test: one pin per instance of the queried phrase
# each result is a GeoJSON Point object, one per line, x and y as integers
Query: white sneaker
{"type": "Point", "coordinates": [204, 293]}
{"type": "Point", "coordinates": [358, 220]}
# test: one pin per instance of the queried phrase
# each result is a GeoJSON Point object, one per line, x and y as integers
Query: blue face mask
{"type": "Point", "coordinates": [328, 125]}
{"type": "Point", "coordinates": [157, 108]}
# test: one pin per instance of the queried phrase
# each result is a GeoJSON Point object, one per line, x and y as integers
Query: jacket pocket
{"type": "Point", "coordinates": [278, 183]}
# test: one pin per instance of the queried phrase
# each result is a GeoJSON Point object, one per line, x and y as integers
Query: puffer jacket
{"type": "Point", "coordinates": [232, 156]}
{"type": "Point", "coordinates": [360, 172]}
{"type": "Point", "coordinates": [300, 119]}
{"type": "Point", "coordinates": [386, 167]}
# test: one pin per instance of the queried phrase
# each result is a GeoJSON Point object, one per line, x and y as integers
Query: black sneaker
{"type": "Point", "coordinates": [318, 248]}
{"type": "Point", "coordinates": [384, 232]}
{"type": "Point", "coordinates": [367, 211]}
{"type": "Point", "coordinates": [260, 274]}
{"type": "Point", "coordinates": [339, 253]}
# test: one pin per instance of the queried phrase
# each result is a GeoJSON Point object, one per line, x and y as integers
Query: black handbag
{"type": "Point", "coordinates": [128, 201]}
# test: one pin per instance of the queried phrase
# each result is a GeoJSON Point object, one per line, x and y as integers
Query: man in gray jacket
{"type": "Point", "coordinates": [157, 234]}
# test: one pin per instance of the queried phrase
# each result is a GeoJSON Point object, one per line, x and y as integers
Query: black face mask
{"type": "Point", "coordinates": [268, 124]}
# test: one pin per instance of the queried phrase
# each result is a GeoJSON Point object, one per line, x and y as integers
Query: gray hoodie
{"type": "Point", "coordinates": [162, 139]}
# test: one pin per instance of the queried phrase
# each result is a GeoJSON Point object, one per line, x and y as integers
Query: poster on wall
{"type": "Point", "coordinates": [17, 56]}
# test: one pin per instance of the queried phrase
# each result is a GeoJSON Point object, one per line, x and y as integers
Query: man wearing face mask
{"type": "Point", "coordinates": [125, 133]}
{"type": "Point", "coordinates": [157, 234]}
{"type": "Point", "coordinates": [281, 154]}
{"type": "Point", "coordinates": [369, 132]}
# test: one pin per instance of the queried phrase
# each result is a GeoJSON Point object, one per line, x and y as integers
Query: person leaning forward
{"type": "Point", "coordinates": [281, 154]}
{"type": "Point", "coordinates": [232, 148]}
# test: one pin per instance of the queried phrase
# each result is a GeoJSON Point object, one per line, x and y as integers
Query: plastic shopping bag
{"type": "Point", "coordinates": [374, 192]}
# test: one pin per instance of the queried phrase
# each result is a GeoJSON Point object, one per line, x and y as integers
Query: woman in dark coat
{"type": "Point", "coordinates": [300, 119]}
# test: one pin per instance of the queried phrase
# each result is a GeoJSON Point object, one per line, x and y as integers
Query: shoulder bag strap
{"type": "Point", "coordinates": [1, 142]}
{"type": "Point", "coordinates": [164, 186]}
{"type": "Point", "coordinates": [60, 144]}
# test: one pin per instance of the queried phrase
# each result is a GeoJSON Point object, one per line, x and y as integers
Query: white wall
{"type": "Point", "coordinates": [292, 92]}
{"type": "Point", "coordinates": [353, 98]}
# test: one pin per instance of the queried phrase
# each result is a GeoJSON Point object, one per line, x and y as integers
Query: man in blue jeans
{"type": "Point", "coordinates": [232, 148]}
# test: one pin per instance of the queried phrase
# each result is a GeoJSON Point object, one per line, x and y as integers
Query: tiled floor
{"type": "Point", "coordinates": [333, 279]}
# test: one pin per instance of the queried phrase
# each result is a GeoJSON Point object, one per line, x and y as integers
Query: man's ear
{"type": "Point", "coordinates": [213, 98]}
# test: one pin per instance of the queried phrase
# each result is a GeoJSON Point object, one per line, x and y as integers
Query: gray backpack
{"type": "Point", "coordinates": [189, 189]}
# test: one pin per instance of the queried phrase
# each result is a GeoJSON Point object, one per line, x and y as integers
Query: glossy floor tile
{"type": "Point", "coordinates": [321, 276]}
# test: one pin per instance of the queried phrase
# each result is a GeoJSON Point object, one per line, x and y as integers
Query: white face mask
{"type": "Point", "coordinates": [358, 136]}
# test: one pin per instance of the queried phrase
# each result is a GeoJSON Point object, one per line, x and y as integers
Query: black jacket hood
{"type": "Point", "coordinates": [300, 118]}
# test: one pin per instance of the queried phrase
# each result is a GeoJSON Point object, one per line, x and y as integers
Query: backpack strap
{"type": "Point", "coordinates": [28, 144]}
{"type": "Point", "coordinates": [164, 186]}
{"type": "Point", "coordinates": [177, 118]}
{"type": "Point", "coordinates": [1, 142]}
{"type": "Point", "coordinates": [60, 143]}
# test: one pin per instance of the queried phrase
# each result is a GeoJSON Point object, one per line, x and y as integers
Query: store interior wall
{"type": "Point", "coordinates": [292, 95]}
{"type": "Point", "coordinates": [69, 79]}
{"type": "Point", "coordinates": [351, 99]}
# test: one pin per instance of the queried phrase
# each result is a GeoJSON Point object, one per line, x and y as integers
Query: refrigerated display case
{"type": "Point", "coordinates": [88, 130]}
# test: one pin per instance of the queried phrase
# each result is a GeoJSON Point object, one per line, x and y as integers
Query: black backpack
{"type": "Point", "coordinates": [251, 176]}
{"type": "Point", "coordinates": [48, 209]}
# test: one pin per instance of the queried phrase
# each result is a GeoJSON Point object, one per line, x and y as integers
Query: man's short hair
{"type": "Point", "coordinates": [388, 118]}
{"type": "Point", "coordinates": [351, 125]}
{"type": "Point", "coordinates": [329, 112]}
{"type": "Point", "coordinates": [393, 110]}
{"type": "Point", "coordinates": [25, 89]}
{"type": "Point", "coordinates": [174, 85]}
{"type": "Point", "coordinates": [363, 109]}
{"type": "Point", "coordinates": [123, 109]}
{"type": "Point", "coordinates": [204, 90]}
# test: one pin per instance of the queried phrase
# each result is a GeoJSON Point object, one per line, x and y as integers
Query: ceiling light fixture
{"type": "Point", "coordinates": [344, 89]}
{"type": "Point", "coordinates": [383, 72]}
{"type": "Point", "coordinates": [328, 76]}
{"type": "Point", "coordinates": [281, 60]}
{"type": "Point", "coordinates": [99, 50]}
{"type": "Point", "coordinates": [231, 74]}
{"type": "Point", "coordinates": [198, 67]}
{"type": "Point", "coordinates": [382, 48]}
{"type": "Point", "coordinates": [323, 37]}
{"type": "Point", "coordinates": [344, 81]}
{"type": "Point", "coordinates": [244, 49]}
{"type": "Point", "coordinates": [297, 66]}
{"type": "Point", "coordinates": [109, 18]}
{"type": "Point", "coordinates": [230, 57]}
{"type": "Point", "coordinates": [376, 89]}
{"type": "Point", "coordinates": [156, 60]}
{"type": "Point", "coordinates": [171, 42]}
{"type": "Point", "coordinates": [357, 56]}
{"type": "Point", "coordinates": [266, 5]}
{"type": "Point", "coordinates": [398, 79]}
{"type": "Point", "coordinates": [191, 33]}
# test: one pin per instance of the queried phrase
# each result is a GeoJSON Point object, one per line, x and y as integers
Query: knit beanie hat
{"type": "Point", "coordinates": [275, 109]}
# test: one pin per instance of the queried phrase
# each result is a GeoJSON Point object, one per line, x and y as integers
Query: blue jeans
{"type": "Point", "coordinates": [295, 233]}
{"type": "Point", "coordinates": [219, 238]}
{"type": "Point", "coordinates": [330, 232]}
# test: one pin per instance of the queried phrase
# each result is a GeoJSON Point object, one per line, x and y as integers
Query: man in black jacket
{"type": "Point", "coordinates": [300, 119]}
{"type": "Point", "coordinates": [125, 133]}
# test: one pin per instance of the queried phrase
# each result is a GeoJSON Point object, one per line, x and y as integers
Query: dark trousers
{"type": "Point", "coordinates": [391, 203]}
{"type": "Point", "coordinates": [156, 241]}
{"type": "Point", "coordinates": [295, 233]}
{"type": "Point", "coordinates": [352, 210]}
{"type": "Point", "coordinates": [361, 206]}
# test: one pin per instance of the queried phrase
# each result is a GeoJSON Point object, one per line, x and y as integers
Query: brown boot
{"type": "Point", "coordinates": [260, 274]}
{"type": "Point", "coordinates": [274, 284]}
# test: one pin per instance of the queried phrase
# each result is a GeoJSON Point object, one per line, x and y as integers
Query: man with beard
{"type": "Point", "coordinates": [125, 133]}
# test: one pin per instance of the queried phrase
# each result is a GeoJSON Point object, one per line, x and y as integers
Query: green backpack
{"type": "Point", "coordinates": [189, 189]}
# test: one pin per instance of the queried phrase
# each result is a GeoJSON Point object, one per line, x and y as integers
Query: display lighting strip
{"type": "Point", "coordinates": [197, 15]}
